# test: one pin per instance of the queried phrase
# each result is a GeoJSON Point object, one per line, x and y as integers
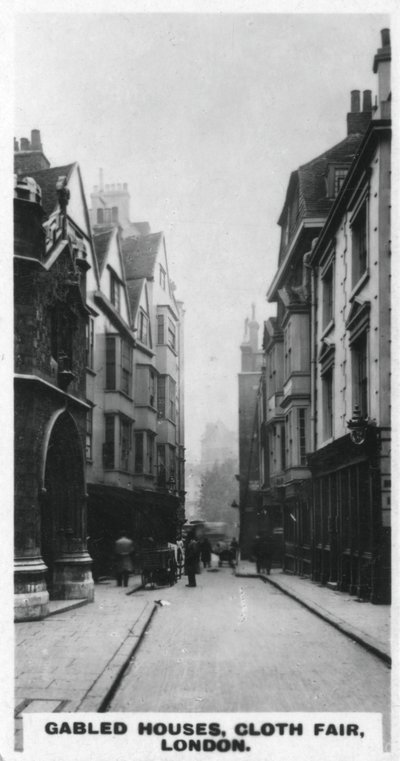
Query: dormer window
{"type": "Point", "coordinates": [143, 333]}
{"type": "Point", "coordinates": [115, 291]}
{"type": "Point", "coordinates": [162, 277]}
{"type": "Point", "coordinates": [335, 179]}
{"type": "Point", "coordinates": [340, 176]}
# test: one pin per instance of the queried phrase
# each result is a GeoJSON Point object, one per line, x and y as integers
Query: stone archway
{"type": "Point", "coordinates": [63, 513]}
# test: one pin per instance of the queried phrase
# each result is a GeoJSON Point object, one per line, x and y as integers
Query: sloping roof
{"type": "Point", "coordinates": [134, 291]}
{"type": "Point", "coordinates": [313, 199]}
{"type": "Point", "coordinates": [102, 240]}
{"type": "Point", "coordinates": [139, 255]}
{"type": "Point", "coordinates": [47, 180]}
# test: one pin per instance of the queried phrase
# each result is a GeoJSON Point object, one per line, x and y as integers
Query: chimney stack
{"type": "Point", "coordinates": [367, 100]}
{"type": "Point", "coordinates": [355, 101]}
{"type": "Point", "coordinates": [36, 144]}
{"type": "Point", "coordinates": [358, 121]}
{"type": "Point", "coordinates": [381, 67]}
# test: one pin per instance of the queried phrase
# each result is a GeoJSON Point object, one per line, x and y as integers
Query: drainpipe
{"type": "Point", "coordinates": [313, 415]}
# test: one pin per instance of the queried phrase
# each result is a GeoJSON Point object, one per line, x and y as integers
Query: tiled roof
{"type": "Point", "coordinates": [140, 255]}
{"type": "Point", "coordinates": [47, 180]}
{"type": "Point", "coordinates": [134, 290]}
{"type": "Point", "coordinates": [312, 185]}
{"type": "Point", "coordinates": [102, 239]}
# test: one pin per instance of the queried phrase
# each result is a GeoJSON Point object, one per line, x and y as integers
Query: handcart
{"type": "Point", "coordinates": [158, 567]}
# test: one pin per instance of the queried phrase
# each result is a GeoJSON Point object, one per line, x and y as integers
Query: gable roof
{"type": "Point", "coordinates": [47, 180]}
{"type": "Point", "coordinates": [134, 288]}
{"type": "Point", "coordinates": [140, 254]}
{"type": "Point", "coordinates": [313, 199]}
{"type": "Point", "coordinates": [102, 239]}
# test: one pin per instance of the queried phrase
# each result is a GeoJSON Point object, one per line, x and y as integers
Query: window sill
{"type": "Point", "coordinates": [359, 285]}
{"type": "Point", "coordinates": [325, 442]}
{"type": "Point", "coordinates": [328, 328]}
{"type": "Point", "coordinates": [118, 391]}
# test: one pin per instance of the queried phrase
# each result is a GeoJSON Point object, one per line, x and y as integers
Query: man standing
{"type": "Point", "coordinates": [123, 549]}
{"type": "Point", "coordinates": [191, 559]}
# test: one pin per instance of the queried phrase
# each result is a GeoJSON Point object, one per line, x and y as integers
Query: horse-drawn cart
{"type": "Point", "coordinates": [158, 567]}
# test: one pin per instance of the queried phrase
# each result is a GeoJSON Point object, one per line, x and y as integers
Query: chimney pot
{"type": "Point", "coordinates": [355, 101]}
{"type": "Point", "coordinates": [35, 140]}
{"type": "Point", "coordinates": [25, 144]}
{"type": "Point", "coordinates": [16, 145]}
{"type": "Point", "coordinates": [125, 186]}
{"type": "Point", "coordinates": [385, 34]}
{"type": "Point", "coordinates": [367, 100]}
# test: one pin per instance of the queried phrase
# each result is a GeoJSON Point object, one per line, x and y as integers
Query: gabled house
{"type": "Point", "coordinates": [158, 359]}
{"type": "Point", "coordinates": [52, 255]}
{"type": "Point", "coordinates": [350, 462]}
{"type": "Point", "coordinates": [289, 339]}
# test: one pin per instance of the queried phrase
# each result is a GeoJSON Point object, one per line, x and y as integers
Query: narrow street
{"type": "Point", "coordinates": [235, 644]}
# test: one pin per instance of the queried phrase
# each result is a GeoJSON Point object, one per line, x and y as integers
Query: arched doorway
{"type": "Point", "coordinates": [62, 519]}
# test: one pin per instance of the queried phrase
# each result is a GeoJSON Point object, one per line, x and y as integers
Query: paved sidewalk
{"type": "Point", "coordinates": [71, 660]}
{"type": "Point", "coordinates": [367, 624]}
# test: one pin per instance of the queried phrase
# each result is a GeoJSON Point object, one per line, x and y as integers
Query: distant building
{"type": "Point", "coordinates": [53, 253]}
{"type": "Point", "coordinates": [250, 395]}
{"type": "Point", "coordinates": [218, 444]}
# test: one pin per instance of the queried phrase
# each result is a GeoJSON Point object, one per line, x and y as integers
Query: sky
{"type": "Point", "coordinates": [204, 116]}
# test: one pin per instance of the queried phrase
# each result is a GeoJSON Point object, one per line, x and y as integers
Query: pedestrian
{"type": "Point", "coordinates": [179, 555]}
{"type": "Point", "coordinates": [234, 552]}
{"type": "Point", "coordinates": [191, 559]}
{"type": "Point", "coordinates": [267, 553]}
{"type": "Point", "coordinates": [123, 549]}
{"type": "Point", "coordinates": [205, 552]}
{"type": "Point", "coordinates": [258, 552]}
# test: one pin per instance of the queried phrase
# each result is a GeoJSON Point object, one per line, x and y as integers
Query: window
{"type": "Point", "coordinates": [125, 442]}
{"type": "Point", "coordinates": [327, 297]}
{"type": "Point", "coordinates": [109, 444]}
{"type": "Point", "coordinates": [327, 404]}
{"type": "Point", "coordinates": [126, 368]}
{"type": "Point", "coordinates": [89, 342]}
{"type": "Point", "coordinates": [110, 363]}
{"type": "Point", "coordinates": [115, 291]}
{"type": "Point", "coordinates": [302, 436]}
{"type": "Point", "coordinates": [143, 328]}
{"type": "Point", "coordinates": [114, 214]}
{"type": "Point", "coordinates": [162, 277]}
{"type": "Point", "coordinates": [89, 435]}
{"type": "Point", "coordinates": [172, 400]}
{"type": "Point", "coordinates": [161, 469]}
{"type": "Point", "coordinates": [359, 244]}
{"type": "Point", "coordinates": [152, 388]}
{"type": "Point", "coordinates": [360, 373]}
{"type": "Point", "coordinates": [150, 453]}
{"type": "Point", "coordinates": [283, 447]}
{"type": "Point", "coordinates": [161, 389]}
{"type": "Point", "coordinates": [172, 461]}
{"type": "Point", "coordinates": [287, 351]}
{"type": "Point", "coordinates": [139, 452]}
{"type": "Point", "coordinates": [340, 176]}
{"type": "Point", "coordinates": [160, 329]}
{"type": "Point", "coordinates": [171, 334]}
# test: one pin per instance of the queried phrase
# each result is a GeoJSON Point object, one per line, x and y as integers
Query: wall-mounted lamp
{"type": "Point", "coordinates": [358, 426]}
